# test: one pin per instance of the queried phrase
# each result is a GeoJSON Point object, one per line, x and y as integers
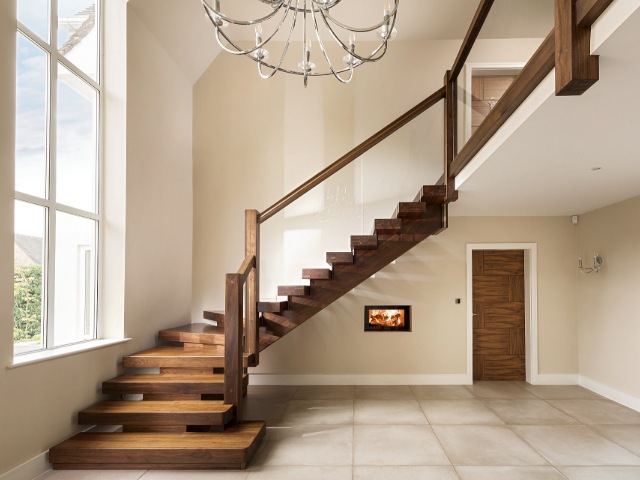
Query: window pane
{"type": "Point", "coordinates": [76, 162]}
{"type": "Point", "coordinates": [28, 277]}
{"type": "Point", "coordinates": [31, 118]}
{"type": "Point", "coordinates": [78, 34]}
{"type": "Point", "coordinates": [75, 295]}
{"type": "Point", "coordinates": [34, 14]}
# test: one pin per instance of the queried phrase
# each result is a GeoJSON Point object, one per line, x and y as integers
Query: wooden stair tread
{"type": "Point", "coordinates": [194, 333]}
{"type": "Point", "coordinates": [231, 449]}
{"type": "Point", "coordinates": [364, 242]}
{"type": "Point", "coordinates": [207, 356]}
{"type": "Point", "coordinates": [168, 383]}
{"type": "Point", "coordinates": [316, 273]}
{"type": "Point", "coordinates": [214, 315]}
{"type": "Point", "coordinates": [410, 210]}
{"type": "Point", "coordinates": [177, 412]}
{"type": "Point", "coordinates": [291, 290]}
{"type": "Point", "coordinates": [272, 307]}
{"type": "Point", "coordinates": [339, 258]}
{"type": "Point", "coordinates": [433, 194]}
{"type": "Point", "coordinates": [387, 226]}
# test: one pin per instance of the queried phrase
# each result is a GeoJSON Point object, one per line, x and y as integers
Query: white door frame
{"type": "Point", "coordinates": [530, 304]}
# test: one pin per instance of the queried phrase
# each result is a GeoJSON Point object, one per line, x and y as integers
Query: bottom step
{"type": "Point", "coordinates": [232, 449]}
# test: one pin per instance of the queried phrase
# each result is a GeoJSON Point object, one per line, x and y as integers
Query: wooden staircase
{"type": "Point", "coordinates": [181, 421]}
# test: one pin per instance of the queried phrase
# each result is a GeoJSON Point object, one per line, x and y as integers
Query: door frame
{"type": "Point", "coordinates": [530, 304]}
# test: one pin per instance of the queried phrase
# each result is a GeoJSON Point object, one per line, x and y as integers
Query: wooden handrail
{"type": "Point", "coordinates": [588, 11]}
{"type": "Point", "coordinates": [246, 267]}
{"type": "Point", "coordinates": [470, 39]}
{"type": "Point", "coordinates": [352, 155]}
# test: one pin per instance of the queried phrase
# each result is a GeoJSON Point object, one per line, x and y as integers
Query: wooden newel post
{"type": "Point", "coordinates": [233, 365]}
{"type": "Point", "coordinates": [450, 134]}
{"type": "Point", "coordinates": [252, 248]}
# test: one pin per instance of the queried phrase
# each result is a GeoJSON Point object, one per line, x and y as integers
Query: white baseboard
{"type": "Point", "coordinates": [610, 393]}
{"type": "Point", "coordinates": [556, 379]}
{"type": "Point", "coordinates": [273, 379]}
{"type": "Point", "coordinates": [29, 469]}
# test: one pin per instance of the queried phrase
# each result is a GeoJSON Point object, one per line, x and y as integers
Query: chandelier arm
{"type": "Point", "coordinates": [392, 14]}
{"type": "Point", "coordinates": [238, 50]}
{"type": "Point", "coordinates": [370, 58]}
{"type": "Point", "coordinates": [278, 67]}
{"type": "Point", "coordinates": [326, 56]}
{"type": "Point", "coordinates": [213, 12]}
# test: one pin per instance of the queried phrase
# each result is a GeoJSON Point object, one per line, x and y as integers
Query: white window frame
{"type": "Point", "coordinates": [49, 201]}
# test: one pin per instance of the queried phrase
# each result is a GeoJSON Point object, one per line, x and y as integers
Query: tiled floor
{"type": "Point", "coordinates": [488, 431]}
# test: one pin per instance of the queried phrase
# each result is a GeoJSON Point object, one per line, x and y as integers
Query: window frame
{"type": "Point", "coordinates": [49, 201]}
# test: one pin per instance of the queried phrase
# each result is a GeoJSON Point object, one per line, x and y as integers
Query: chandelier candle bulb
{"type": "Point", "coordinates": [352, 42]}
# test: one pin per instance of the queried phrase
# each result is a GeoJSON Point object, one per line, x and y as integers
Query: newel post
{"type": "Point", "coordinates": [450, 134]}
{"type": "Point", "coordinates": [233, 365]}
{"type": "Point", "coordinates": [252, 248]}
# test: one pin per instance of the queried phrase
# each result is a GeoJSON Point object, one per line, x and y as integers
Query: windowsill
{"type": "Point", "coordinates": [42, 356]}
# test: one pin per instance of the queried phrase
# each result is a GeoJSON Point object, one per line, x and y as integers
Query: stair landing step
{"type": "Point", "coordinates": [202, 333]}
{"type": "Point", "coordinates": [205, 356]}
{"type": "Point", "coordinates": [232, 449]}
{"type": "Point", "coordinates": [166, 383]}
{"type": "Point", "coordinates": [157, 413]}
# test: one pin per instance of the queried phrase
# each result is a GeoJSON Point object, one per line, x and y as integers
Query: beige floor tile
{"type": "Point", "coordinates": [307, 446]}
{"type": "Point", "coordinates": [561, 392]}
{"type": "Point", "coordinates": [193, 475]}
{"type": "Point", "coordinates": [92, 475]}
{"type": "Point", "coordinates": [384, 392]}
{"type": "Point", "coordinates": [504, 390]}
{"type": "Point", "coordinates": [388, 412]}
{"type": "Point", "coordinates": [318, 412]}
{"type": "Point", "coordinates": [397, 445]}
{"type": "Point", "coordinates": [271, 411]}
{"type": "Point", "coordinates": [298, 473]}
{"type": "Point", "coordinates": [528, 412]}
{"type": "Point", "coordinates": [601, 473]}
{"type": "Point", "coordinates": [570, 445]}
{"type": "Point", "coordinates": [404, 473]}
{"type": "Point", "coordinates": [325, 392]}
{"type": "Point", "coordinates": [272, 392]}
{"type": "Point", "coordinates": [458, 412]}
{"type": "Point", "coordinates": [627, 436]}
{"type": "Point", "coordinates": [483, 445]}
{"type": "Point", "coordinates": [509, 473]}
{"type": "Point", "coordinates": [441, 392]}
{"type": "Point", "coordinates": [597, 411]}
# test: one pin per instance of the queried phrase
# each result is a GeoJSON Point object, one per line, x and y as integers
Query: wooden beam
{"type": "Point", "coordinates": [472, 34]}
{"type": "Point", "coordinates": [576, 68]}
{"type": "Point", "coordinates": [588, 11]}
{"type": "Point", "coordinates": [252, 248]}
{"type": "Point", "coordinates": [536, 69]}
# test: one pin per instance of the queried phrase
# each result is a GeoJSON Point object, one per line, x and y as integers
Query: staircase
{"type": "Point", "coordinates": [181, 422]}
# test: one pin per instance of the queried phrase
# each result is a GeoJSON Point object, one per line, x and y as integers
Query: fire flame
{"type": "Point", "coordinates": [386, 318]}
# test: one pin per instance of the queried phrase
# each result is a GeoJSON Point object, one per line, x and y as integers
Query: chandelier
{"type": "Point", "coordinates": [318, 25]}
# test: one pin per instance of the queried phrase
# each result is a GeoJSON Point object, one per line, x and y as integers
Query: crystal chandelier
{"type": "Point", "coordinates": [318, 26]}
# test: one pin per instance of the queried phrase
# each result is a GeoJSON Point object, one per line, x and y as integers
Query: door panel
{"type": "Point", "coordinates": [498, 315]}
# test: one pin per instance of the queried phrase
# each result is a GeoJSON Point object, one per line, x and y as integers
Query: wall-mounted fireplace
{"type": "Point", "coordinates": [387, 318]}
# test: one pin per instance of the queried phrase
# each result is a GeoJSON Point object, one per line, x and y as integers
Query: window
{"type": "Point", "coordinates": [57, 210]}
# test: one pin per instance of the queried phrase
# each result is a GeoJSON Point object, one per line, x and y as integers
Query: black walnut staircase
{"type": "Point", "coordinates": [181, 421]}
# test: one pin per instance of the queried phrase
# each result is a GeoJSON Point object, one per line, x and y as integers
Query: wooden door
{"type": "Point", "coordinates": [498, 315]}
{"type": "Point", "coordinates": [485, 93]}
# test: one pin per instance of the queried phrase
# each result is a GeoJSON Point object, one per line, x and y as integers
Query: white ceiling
{"type": "Point", "coordinates": [545, 166]}
{"type": "Point", "coordinates": [181, 25]}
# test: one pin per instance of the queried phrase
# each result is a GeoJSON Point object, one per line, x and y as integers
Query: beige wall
{"type": "Point", "coordinates": [430, 277]}
{"type": "Point", "coordinates": [608, 306]}
{"type": "Point", "coordinates": [39, 402]}
{"type": "Point", "coordinates": [159, 188]}
{"type": "Point", "coordinates": [255, 140]}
